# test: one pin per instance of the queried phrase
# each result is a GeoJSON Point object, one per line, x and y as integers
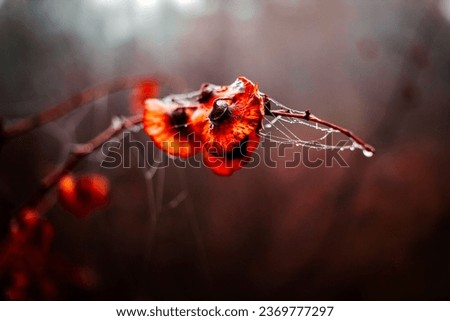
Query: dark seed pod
{"type": "Point", "coordinates": [219, 112]}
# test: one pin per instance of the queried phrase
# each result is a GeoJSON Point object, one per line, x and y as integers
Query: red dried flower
{"type": "Point", "coordinates": [235, 112]}
{"type": "Point", "coordinates": [84, 194]}
{"type": "Point", "coordinates": [229, 130]}
{"type": "Point", "coordinates": [169, 125]}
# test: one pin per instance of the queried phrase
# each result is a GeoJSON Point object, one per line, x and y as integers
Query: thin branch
{"type": "Point", "coordinates": [74, 102]}
{"type": "Point", "coordinates": [306, 115]}
{"type": "Point", "coordinates": [77, 154]}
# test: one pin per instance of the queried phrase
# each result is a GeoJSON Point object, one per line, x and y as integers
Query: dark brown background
{"type": "Point", "coordinates": [379, 229]}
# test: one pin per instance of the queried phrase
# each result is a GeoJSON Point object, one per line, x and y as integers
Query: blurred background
{"type": "Point", "coordinates": [377, 230]}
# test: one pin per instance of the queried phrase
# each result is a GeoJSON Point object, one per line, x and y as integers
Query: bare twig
{"type": "Point", "coordinates": [74, 102]}
{"type": "Point", "coordinates": [77, 154]}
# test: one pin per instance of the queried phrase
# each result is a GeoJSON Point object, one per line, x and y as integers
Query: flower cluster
{"type": "Point", "coordinates": [24, 261]}
{"type": "Point", "coordinates": [222, 122]}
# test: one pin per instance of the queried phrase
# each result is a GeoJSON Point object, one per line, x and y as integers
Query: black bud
{"type": "Point", "coordinates": [219, 112]}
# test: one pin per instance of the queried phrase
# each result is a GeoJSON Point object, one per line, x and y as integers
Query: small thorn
{"type": "Point", "coordinates": [307, 114]}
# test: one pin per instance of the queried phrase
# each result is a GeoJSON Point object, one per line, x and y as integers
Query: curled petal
{"type": "Point", "coordinates": [170, 127]}
{"type": "Point", "coordinates": [225, 164]}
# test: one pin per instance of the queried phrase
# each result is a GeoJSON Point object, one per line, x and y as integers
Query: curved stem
{"type": "Point", "coordinates": [63, 108]}
{"type": "Point", "coordinates": [77, 154]}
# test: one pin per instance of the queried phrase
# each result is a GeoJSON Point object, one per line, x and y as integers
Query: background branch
{"type": "Point", "coordinates": [25, 125]}
{"type": "Point", "coordinates": [77, 154]}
